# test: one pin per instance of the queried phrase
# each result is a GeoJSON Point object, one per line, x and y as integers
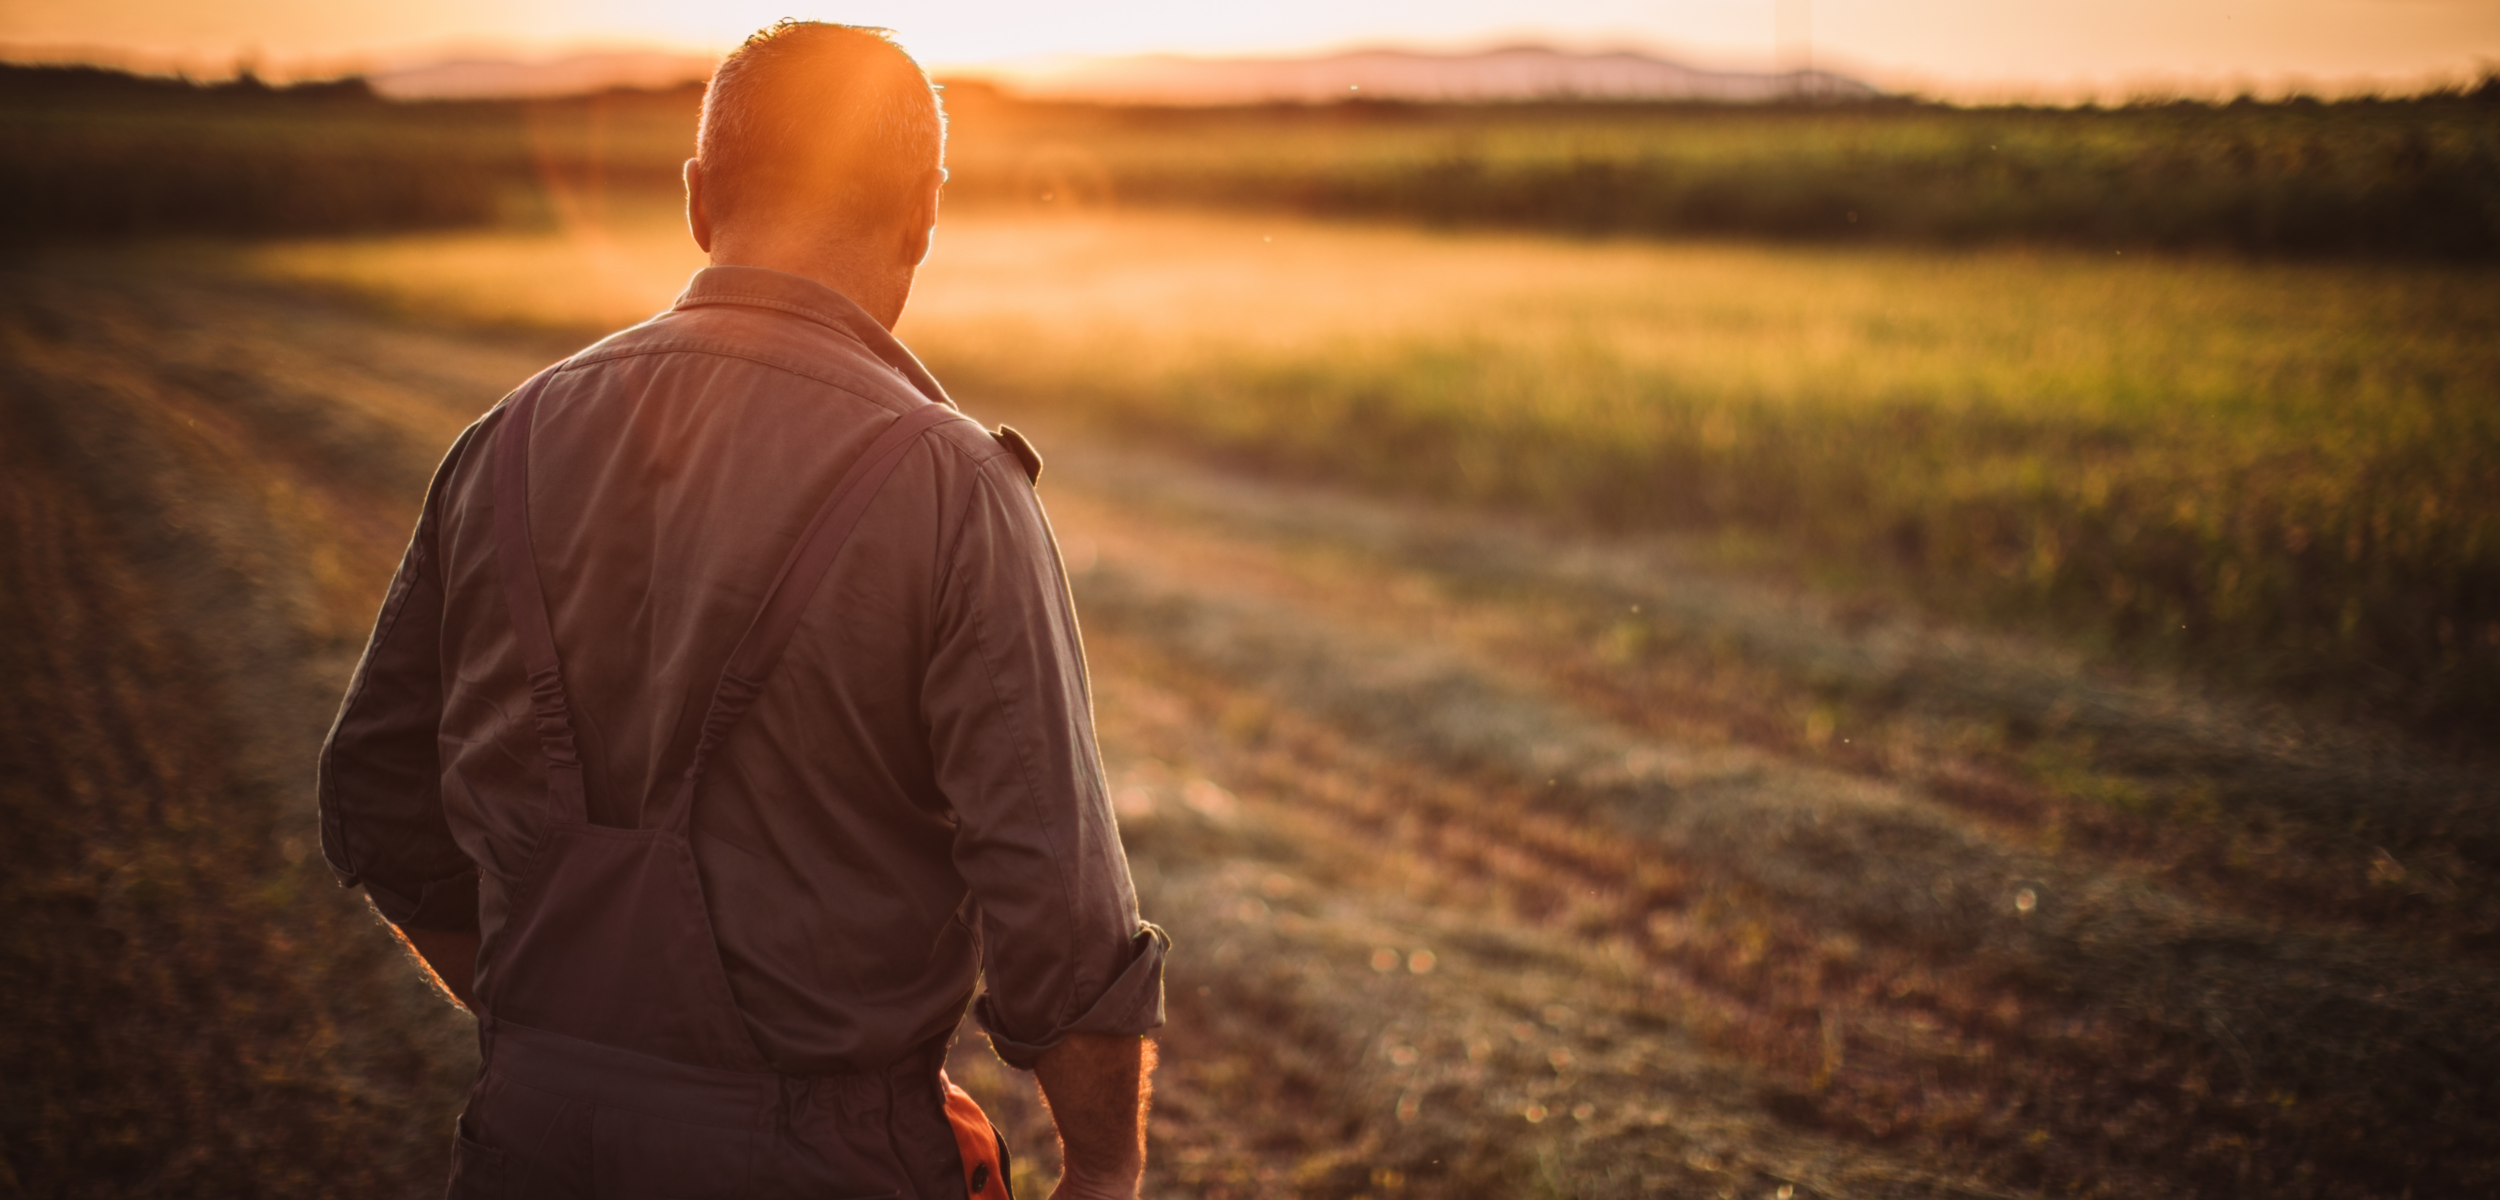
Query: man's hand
{"type": "Point", "coordinates": [1097, 1086]}
{"type": "Point", "coordinates": [449, 958]}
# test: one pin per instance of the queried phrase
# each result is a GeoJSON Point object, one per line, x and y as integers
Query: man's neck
{"type": "Point", "coordinates": [880, 284]}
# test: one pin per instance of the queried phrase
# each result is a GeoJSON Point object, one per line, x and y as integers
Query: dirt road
{"type": "Point", "coordinates": [1500, 859]}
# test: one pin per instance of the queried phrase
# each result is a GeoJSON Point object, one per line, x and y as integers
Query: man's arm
{"type": "Point", "coordinates": [448, 956]}
{"type": "Point", "coordinates": [379, 785]}
{"type": "Point", "coordinates": [1097, 1087]}
{"type": "Point", "coordinates": [1073, 977]}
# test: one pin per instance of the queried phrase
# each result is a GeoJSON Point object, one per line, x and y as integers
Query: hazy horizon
{"type": "Point", "coordinates": [1951, 49]}
{"type": "Point", "coordinates": [575, 68]}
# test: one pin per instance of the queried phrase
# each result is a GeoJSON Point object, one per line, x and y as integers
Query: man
{"type": "Point", "coordinates": [726, 718]}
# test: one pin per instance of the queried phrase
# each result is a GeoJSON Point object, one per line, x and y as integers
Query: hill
{"type": "Point", "coordinates": [1511, 73]}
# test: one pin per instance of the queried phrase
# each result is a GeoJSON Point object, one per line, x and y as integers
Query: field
{"type": "Point", "coordinates": [96, 154]}
{"type": "Point", "coordinates": [2409, 178]}
{"type": "Point", "coordinates": [2209, 384]}
{"type": "Point", "coordinates": [2266, 471]}
{"type": "Point", "coordinates": [90, 153]}
{"type": "Point", "coordinates": [1977, 690]}
{"type": "Point", "coordinates": [1511, 845]}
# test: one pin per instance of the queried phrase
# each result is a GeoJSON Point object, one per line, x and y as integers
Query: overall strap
{"type": "Point", "coordinates": [759, 650]}
{"type": "Point", "coordinates": [527, 600]}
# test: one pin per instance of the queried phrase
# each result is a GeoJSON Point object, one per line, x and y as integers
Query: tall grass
{"type": "Point", "coordinates": [2418, 177]}
{"type": "Point", "coordinates": [89, 152]}
{"type": "Point", "coordinates": [2284, 472]}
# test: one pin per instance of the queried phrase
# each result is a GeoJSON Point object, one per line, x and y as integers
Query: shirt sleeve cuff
{"type": "Point", "coordinates": [1132, 1004]}
{"type": "Point", "coordinates": [445, 905]}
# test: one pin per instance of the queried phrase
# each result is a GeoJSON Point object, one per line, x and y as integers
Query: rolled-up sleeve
{"type": "Point", "coordinates": [380, 781]}
{"type": "Point", "coordinates": [1063, 948]}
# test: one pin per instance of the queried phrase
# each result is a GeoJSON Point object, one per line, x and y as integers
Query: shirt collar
{"type": "Point", "coordinates": [780, 291]}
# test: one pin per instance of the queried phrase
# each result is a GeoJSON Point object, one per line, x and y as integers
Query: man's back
{"type": "Point", "coordinates": [926, 726]}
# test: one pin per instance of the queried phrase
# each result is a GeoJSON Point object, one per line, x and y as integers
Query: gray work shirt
{"type": "Point", "coordinates": [915, 800]}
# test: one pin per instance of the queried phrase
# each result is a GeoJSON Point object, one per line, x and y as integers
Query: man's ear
{"type": "Point", "coordinates": [698, 218]}
{"type": "Point", "coordinates": [919, 228]}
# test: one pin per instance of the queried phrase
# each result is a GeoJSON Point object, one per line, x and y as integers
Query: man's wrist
{"type": "Point", "coordinates": [1079, 1181]}
{"type": "Point", "coordinates": [1097, 1086]}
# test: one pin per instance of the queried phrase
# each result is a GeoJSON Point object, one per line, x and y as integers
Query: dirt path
{"type": "Point", "coordinates": [1500, 859]}
{"type": "Point", "coordinates": [1912, 937]}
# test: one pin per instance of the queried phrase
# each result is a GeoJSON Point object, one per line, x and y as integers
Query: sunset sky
{"type": "Point", "coordinates": [1953, 47]}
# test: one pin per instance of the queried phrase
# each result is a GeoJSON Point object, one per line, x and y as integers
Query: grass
{"type": "Point", "coordinates": [2267, 469]}
{"type": "Point", "coordinates": [1704, 913]}
{"type": "Point", "coordinates": [91, 153]}
{"type": "Point", "coordinates": [87, 154]}
{"type": "Point", "coordinates": [589, 274]}
{"type": "Point", "coordinates": [2409, 178]}
{"type": "Point", "coordinates": [194, 1009]}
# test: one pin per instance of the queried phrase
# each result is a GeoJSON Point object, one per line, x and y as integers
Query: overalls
{"type": "Point", "coordinates": [615, 1061]}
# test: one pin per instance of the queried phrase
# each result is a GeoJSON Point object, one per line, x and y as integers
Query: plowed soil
{"type": "Point", "coordinates": [1500, 858]}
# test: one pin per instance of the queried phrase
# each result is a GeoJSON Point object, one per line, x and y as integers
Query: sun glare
{"type": "Point", "coordinates": [1965, 48]}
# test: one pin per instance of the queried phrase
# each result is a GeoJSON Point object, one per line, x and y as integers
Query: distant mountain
{"type": "Point", "coordinates": [1514, 73]}
{"type": "Point", "coordinates": [580, 74]}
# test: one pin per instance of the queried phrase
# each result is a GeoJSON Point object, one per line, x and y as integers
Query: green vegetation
{"type": "Point", "coordinates": [2284, 472]}
{"type": "Point", "coordinates": [2292, 546]}
{"type": "Point", "coordinates": [90, 152]}
{"type": "Point", "coordinates": [2417, 177]}
{"type": "Point", "coordinates": [2279, 472]}
{"type": "Point", "coordinates": [2282, 469]}
{"type": "Point", "coordinates": [1552, 862]}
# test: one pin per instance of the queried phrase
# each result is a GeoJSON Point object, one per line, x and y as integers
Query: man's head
{"type": "Point", "coordinates": [817, 140]}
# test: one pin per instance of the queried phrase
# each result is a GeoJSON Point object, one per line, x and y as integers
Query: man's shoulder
{"type": "Point", "coordinates": [979, 452]}
{"type": "Point", "coordinates": [807, 380]}
{"type": "Point", "coordinates": [1021, 448]}
{"type": "Point", "coordinates": [789, 352]}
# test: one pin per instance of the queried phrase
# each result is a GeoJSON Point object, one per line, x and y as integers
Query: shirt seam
{"type": "Point", "coordinates": [718, 351]}
{"type": "Point", "coordinates": [979, 461]}
{"type": "Point", "coordinates": [1033, 790]}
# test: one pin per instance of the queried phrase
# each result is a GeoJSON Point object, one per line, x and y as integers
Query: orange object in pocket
{"type": "Point", "coordinates": [983, 1148]}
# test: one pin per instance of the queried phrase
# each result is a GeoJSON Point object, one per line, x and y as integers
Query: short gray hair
{"type": "Point", "coordinates": [837, 117]}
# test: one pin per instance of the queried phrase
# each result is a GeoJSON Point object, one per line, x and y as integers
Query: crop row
{"type": "Point", "coordinates": [2411, 178]}
{"type": "Point", "coordinates": [87, 152]}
